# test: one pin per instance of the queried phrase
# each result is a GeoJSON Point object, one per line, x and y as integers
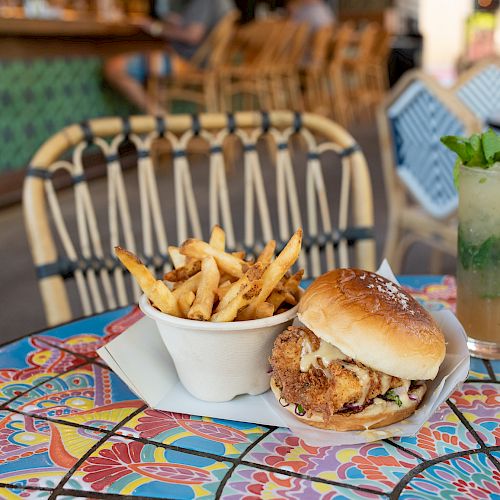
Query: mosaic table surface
{"type": "Point", "coordinates": [70, 428]}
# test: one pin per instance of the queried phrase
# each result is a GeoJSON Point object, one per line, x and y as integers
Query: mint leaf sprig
{"type": "Point", "coordinates": [479, 150]}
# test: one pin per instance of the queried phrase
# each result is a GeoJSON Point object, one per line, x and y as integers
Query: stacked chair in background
{"type": "Point", "coordinates": [339, 71]}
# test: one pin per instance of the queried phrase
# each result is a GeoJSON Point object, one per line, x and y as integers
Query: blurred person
{"type": "Point", "coordinates": [184, 33]}
{"type": "Point", "coordinates": [316, 13]}
{"type": "Point", "coordinates": [249, 8]}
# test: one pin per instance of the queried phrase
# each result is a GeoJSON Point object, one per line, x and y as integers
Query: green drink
{"type": "Point", "coordinates": [477, 175]}
{"type": "Point", "coordinates": [478, 268]}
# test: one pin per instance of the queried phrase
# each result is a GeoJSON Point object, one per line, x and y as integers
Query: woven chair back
{"type": "Point", "coordinates": [479, 89]}
{"type": "Point", "coordinates": [149, 204]}
{"type": "Point", "coordinates": [417, 114]}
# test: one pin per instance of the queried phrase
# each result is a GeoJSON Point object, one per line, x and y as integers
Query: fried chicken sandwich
{"type": "Point", "coordinates": [363, 356]}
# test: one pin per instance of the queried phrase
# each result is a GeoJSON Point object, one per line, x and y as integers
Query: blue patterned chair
{"type": "Point", "coordinates": [479, 89]}
{"type": "Point", "coordinates": [421, 196]}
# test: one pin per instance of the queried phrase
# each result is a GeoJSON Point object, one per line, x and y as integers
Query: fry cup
{"type": "Point", "coordinates": [218, 361]}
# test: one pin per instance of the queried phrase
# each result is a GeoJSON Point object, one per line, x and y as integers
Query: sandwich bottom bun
{"type": "Point", "coordinates": [378, 414]}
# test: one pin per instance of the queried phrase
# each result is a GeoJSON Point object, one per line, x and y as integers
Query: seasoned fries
{"type": "Point", "coordinates": [227, 262]}
{"type": "Point", "coordinates": [210, 283]}
{"type": "Point", "coordinates": [156, 291]}
{"type": "Point", "coordinates": [205, 295]}
{"type": "Point", "coordinates": [275, 271]}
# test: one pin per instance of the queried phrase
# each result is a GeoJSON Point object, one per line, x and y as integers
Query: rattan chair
{"type": "Point", "coordinates": [149, 206]}
{"type": "Point", "coordinates": [421, 196]}
{"type": "Point", "coordinates": [478, 89]}
{"type": "Point", "coordinates": [337, 95]}
{"type": "Point", "coordinates": [263, 71]}
{"type": "Point", "coordinates": [196, 80]}
{"type": "Point", "coordinates": [314, 69]}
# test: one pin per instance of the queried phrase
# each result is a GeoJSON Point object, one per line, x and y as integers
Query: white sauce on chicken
{"type": "Point", "coordinates": [364, 380]}
{"type": "Point", "coordinates": [326, 352]}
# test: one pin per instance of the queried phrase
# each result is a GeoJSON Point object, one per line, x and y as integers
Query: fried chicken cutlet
{"type": "Point", "coordinates": [323, 384]}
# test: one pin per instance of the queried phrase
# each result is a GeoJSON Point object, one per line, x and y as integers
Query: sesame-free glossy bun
{"type": "Point", "coordinates": [374, 321]}
{"type": "Point", "coordinates": [378, 414]}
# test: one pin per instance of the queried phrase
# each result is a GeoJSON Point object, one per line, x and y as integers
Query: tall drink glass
{"type": "Point", "coordinates": [478, 272]}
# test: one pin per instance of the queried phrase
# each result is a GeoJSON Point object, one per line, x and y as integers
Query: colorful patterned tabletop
{"type": "Point", "coordinates": [70, 428]}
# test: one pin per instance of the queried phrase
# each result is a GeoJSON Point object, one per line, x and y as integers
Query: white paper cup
{"type": "Point", "coordinates": [218, 361]}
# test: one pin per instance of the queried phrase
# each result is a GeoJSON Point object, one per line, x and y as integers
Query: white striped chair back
{"type": "Point", "coordinates": [154, 200]}
{"type": "Point", "coordinates": [418, 117]}
{"type": "Point", "coordinates": [479, 89]}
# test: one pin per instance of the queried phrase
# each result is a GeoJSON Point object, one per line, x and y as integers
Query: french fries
{"type": "Point", "coordinates": [210, 283]}
{"type": "Point", "coordinates": [156, 291]}
{"type": "Point", "coordinates": [218, 238]}
{"type": "Point", "coordinates": [254, 273]}
{"type": "Point", "coordinates": [244, 296]}
{"type": "Point", "coordinates": [264, 310]}
{"type": "Point", "coordinates": [178, 260]}
{"type": "Point", "coordinates": [275, 271]}
{"type": "Point", "coordinates": [228, 263]}
{"type": "Point", "coordinates": [267, 252]}
{"type": "Point", "coordinates": [205, 295]}
{"type": "Point", "coordinates": [190, 268]}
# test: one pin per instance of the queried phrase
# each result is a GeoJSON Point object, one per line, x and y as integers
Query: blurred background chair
{"type": "Point", "coordinates": [314, 69]}
{"type": "Point", "coordinates": [195, 81]}
{"type": "Point", "coordinates": [262, 71]}
{"type": "Point", "coordinates": [478, 88]}
{"type": "Point", "coordinates": [151, 204]}
{"type": "Point", "coordinates": [359, 70]}
{"type": "Point", "coordinates": [418, 169]}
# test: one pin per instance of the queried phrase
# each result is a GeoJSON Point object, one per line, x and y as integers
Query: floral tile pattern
{"type": "Point", "coordinates": [28, 362]}
{"type": "Point", "coordinates": [251, 483]}
{"type": "Point", "coordinates": [461, 478]}
{"type": "Point", "coordinates": [37, 453]}
{"type": "Point", "coordinates": [86, 335]}
{"type": "Point", "coordinates": [90, 395]}
{"type": "Point", "coordinates": [444, 433]}
{"type": "Point", "coordinates": [19, 493]}
{"type": "Point", "coordinates": [378, 465]}
{"type": "Point", "coordinates": [478, 370]}
{"type": "Point", "coordinates": [69, 406]}
{"type": "Point", "coordinates": [495, 364]}
{"type": "Point", "coordinates": [211, 435]}
{"type": "Point", "coordinates": [434, 294]}
{"type": "Point", "coordinates": [133, 468]}
{"type": "Point", "coordinates": [480, 405]}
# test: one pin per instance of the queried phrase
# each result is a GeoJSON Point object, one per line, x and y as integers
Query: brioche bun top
{"type": "Point", "coordinates": [374, 321]}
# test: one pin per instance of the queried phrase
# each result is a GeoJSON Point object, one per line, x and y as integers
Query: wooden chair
{"type": "Point", "coordinates": [265, 66]}
{"type": "Point", "coordinates": [478, 89]}
{"type": "Point", "coordinates": [420, 193]}
{"type": "Point", "coordinates": [337, 94]}
{"type": "Point", "coordinates": [306, 183]}
{"type": "Point", "coordinates": [195, 80]}
{"type": "Point", "coordinates": [315, 71]}
{"type": "Point", "coordinates": [356, 67]}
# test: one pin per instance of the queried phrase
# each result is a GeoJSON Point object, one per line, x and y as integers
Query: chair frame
{"type": "Point", "coordinates": [38, 225]}
{"type": "Point", "coordinates": [407, 223]}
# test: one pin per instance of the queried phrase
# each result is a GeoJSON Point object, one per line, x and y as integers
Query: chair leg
{"type": "Point", "coordinates": [436, 261]}
{"type": "Point", "coordinates": [391, 241]}
{"type": "Point", "coordinates": [402, 247]}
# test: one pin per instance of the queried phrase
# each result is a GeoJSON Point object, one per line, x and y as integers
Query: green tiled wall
{"type": "Point", "coordinates": [39, 97]}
